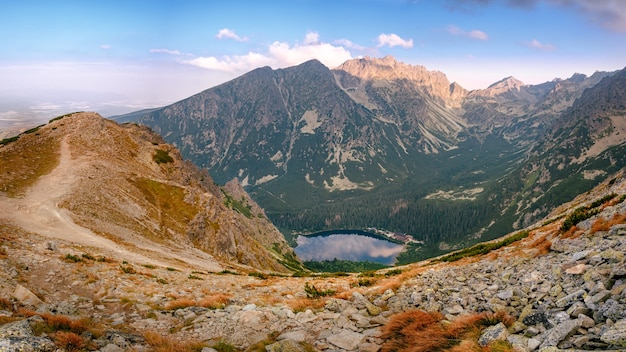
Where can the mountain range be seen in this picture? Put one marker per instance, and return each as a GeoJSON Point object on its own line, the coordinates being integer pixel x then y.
{"type": "Point", "coordinates": [380, 143]}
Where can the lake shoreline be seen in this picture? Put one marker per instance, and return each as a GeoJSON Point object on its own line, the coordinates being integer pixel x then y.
{"type": "Point", "coordinates": [353, 232]}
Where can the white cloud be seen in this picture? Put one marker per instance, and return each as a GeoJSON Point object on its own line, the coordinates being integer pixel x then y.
{"type": "Point", "coordinates": [105, 46]}
{"type": "Point", "coordinates": [392, 40]}
{"type": "Point", "coordinates": [226, 33]}
{"type": "Point", "coordinates": [473, 34]}
{"type": "Point", "coordinates": [311, 38]}
{"type": "Point", "coordinates": [535, 44]}
{"type": "Point", "coordinates": [349, 44]}
{"type": "Point", "coordinates": [279, 54]}
{"type": "Point", "coordinates": [166, 51]}
{"type": "Point", "coordinates": [232, 64]}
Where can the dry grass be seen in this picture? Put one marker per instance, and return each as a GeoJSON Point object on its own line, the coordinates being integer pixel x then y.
{"type": "Point", "coordinates": [23, 163]}
{"type": "Point", "coordinates": [180, 303]}
{"type": "Point", "coordinates": [302, 304]}
{"type": "Point", "coordinates": [160, 343]}
{"type": "Point", "coordinates": [214, 301]}
{"type": "Point", "coordinates": [420, 331]}
{"type": "Point", "coordinates": [601, 224]}
{"type": "Point", "coordinates": [541, 244]}
{"type": "Point", "coordinates": [573, 232]}
{"type": "Point", "coordinates": [69, 341]}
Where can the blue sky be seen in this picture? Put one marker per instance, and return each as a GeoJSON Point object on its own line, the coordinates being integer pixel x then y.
{"type": "Point", "coordinates": [156, 52]}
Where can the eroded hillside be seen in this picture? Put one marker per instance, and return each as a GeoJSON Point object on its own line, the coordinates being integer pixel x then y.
{"type": "Point", "coordinates": [91, 181]}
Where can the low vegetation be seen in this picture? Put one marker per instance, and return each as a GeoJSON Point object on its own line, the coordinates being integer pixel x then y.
{"type": "Point", "coordinates": [23, 165]}
{"type": "Point", "coordinates": [420, 331]}
{"type": "Point", "coordinates": [337, 265]}
{"type": "Point", "coordinates": [585, 212]}
{"type": "Point", "coordinates": [162, 157]}
{"type": "Point", "coordinates": [240, 206]}
{"type": "Point", "coordinates": [483, 248]}
{"type": "Point", "coordinates": [313, 292]}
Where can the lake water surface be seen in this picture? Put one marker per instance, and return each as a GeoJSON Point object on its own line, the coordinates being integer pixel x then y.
{"type": "Point", "coordinates": [354, 247]}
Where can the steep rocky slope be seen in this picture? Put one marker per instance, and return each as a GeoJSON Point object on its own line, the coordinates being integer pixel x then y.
{"type": "Point", "coordinates": [89, 180]}
{"type": "Point", "coordinates": [558, 289]}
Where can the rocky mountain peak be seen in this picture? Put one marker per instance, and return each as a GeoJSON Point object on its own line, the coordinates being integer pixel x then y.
{"type": "Point", "coordinates": [389, 69]}
{"type": "Point", "coordinates": [507, 84]}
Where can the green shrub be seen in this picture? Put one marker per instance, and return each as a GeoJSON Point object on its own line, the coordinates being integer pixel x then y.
{"type": "Point", "coordinates": [483, 248]}
{"type": "Point", "coordinates": [127, 269]}
{"type": "Point", "coordinates": [88, 256]}
{"type": "Point", "coordinates": [584, 213]}
{"type": "Point", "coordinates": [258, 275]}
{"type": "Point", "coordinates": [73, 258]}
{"type": "Point", "coordinates": [162, 157]}
{"type": "Point", "coordinates": [313, 292]}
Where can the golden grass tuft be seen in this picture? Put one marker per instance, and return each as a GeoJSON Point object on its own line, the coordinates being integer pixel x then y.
{"type": "Point", "coordinates": [160, 343]}
{"type": "Point", "coordinates": [420, 331]}
{"type": "Point", "coordinates": [573, 232]}
{"type": "Point", "coordinates": [180, 303]}
{"type": "Point", "coordinates": [69, 341]}
{"type": "Point", "coordinates": [302, 304]}
{"type": "Point", "coordinates": [214, 301]}
{"type": "Point", "coordinates": [542, 244]}
{"type": "Point", "coordinates": [601, 224]}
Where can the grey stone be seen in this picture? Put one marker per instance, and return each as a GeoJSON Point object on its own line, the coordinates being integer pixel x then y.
{"type": "Point", "coordinates": [616, 334]}
{"type": "Point", "coordinates": [611, 309]}
{"type": "Point", "coordinates": [26, 297]}
{"type": "Point", "coordinates": [111, 348]}
{"type": "Point", "coordinates": [570, 299]}
{"type": "Point", "coordinates": [298, 336]}
{"type": "Point", "coordinates": [285, 346]}
{"type": "Point", "coordinates": [496, 332]}
{"type": "Point", "coordinates": [559, 333]}
{"type": "Point", "coordinates": [346, 339]}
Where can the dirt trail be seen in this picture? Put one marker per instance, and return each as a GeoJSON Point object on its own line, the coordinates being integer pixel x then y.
{"type": "Point", "coordinates": [38, 212]}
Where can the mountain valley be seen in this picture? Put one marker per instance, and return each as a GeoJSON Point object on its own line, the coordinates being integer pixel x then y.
{"type": "Point", "coordinates": [112, 240]}
{"type": "Point", "coordinates": [67, 285]}
{"type": "Point", "coordinates": [373, 142]}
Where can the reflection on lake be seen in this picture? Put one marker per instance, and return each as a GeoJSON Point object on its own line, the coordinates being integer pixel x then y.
{"type": "Point", "coordinates": [347, 247]}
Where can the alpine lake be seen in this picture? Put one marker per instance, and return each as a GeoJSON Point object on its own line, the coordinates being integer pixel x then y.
{"type": "Point", "coordinates": [349, 245]}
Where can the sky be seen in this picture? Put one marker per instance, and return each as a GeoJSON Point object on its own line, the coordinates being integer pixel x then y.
{"type": "Point", "coordinates": [141, 53]}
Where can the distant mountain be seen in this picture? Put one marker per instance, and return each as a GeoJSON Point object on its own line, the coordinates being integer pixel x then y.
{"type": "Point", "coordinates": [374, 142]}
{"type": "Point", "coordinates": [586, 143]}
{"type": "Point", "coordinates": [91, 181]}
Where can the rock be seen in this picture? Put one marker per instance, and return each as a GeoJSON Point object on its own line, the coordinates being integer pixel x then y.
{"type": "Point", "coordinates": [251, 319]}
{"type": "Point", "coordinates": [493, 333]}
{"type": "Point", "coordinates": [26, 297]}
{"type": "Point", "coordinates": [248, 307]}
{"type": "Point", "coordinates": [519, 343]}
{"type": "Point", "coordinates": [298, 336]}
{"type": "Point", "coordinates": [586, 322]}
{"type": "Point", "coordinates": [536, 318]}
{"type": "Point", "coordinates": [18, 336]}
{"type": "Point", "coordinates": [560, 332]}
{"type": "Point", "coordinates": [346, 339]}
{"type": "Point", "coordinates": [578, 269]}
{"type": "Point", "coordinates": [616, 334]}
{"type": "Point", "coordinates": [611, 309]}
{"type": "Point", "coordinates": [285, 346]}
{"type": "Point", "coordinates": [112, 348]}
{"type": "Point", "coordinates": [570, 299]}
